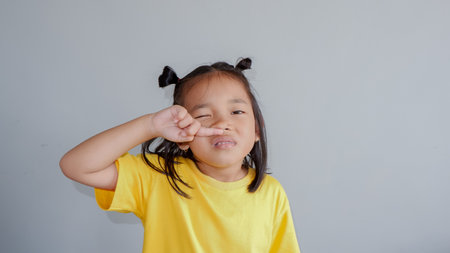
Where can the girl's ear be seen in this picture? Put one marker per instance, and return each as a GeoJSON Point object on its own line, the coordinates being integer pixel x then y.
{"type": "Point", "coordinates": [183, 146]}
{"type": "Point", "coordinates": [257, 136]}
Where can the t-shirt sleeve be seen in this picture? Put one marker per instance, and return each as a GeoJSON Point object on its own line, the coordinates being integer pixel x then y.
{"type": "Point", "coordinates": [284, 237]}
{"type": "Point", "coordinates": [134, 177]}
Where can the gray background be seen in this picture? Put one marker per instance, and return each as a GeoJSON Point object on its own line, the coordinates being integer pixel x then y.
{"type": "Point", "coordinates": [355, 94]}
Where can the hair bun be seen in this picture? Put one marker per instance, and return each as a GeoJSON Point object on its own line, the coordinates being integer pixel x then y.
{"type": "Point", "coordinates": [167, 77]}
{"type": "Point", "coordinates": [244, 64]}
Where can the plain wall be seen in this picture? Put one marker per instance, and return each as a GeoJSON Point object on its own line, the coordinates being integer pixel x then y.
{"type": "Point", "coordinates": [355, 94]}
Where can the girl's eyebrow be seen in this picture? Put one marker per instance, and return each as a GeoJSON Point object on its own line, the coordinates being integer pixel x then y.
{"type": "Point", "coordinates": [237, 101]}
{"type": "Point", "coordinates": [206, 105]}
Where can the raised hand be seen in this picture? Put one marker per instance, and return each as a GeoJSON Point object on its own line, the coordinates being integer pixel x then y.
{"type": "Point", "coordinates": [177, 125]}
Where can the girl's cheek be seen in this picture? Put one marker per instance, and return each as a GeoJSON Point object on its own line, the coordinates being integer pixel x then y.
{"type": "Point", "coordinates": [205, 123]}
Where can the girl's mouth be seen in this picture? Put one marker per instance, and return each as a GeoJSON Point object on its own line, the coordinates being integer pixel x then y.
{"type": "Point", "coordinates": [223, 142]}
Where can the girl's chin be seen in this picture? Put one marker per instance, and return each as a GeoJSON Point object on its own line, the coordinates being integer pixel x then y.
{"type": "Point", "coordinates": [221, 163]}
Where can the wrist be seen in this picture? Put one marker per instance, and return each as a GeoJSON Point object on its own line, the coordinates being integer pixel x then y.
{"type": "Point", "coordinates": [149, 126]}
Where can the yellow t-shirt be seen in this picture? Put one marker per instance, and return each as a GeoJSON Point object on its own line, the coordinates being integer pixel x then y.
{"type": "Point", "coordinates": [220, 216]}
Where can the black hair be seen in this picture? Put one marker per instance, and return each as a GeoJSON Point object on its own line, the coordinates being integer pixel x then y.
{"type": "Point", "coordinates": [169, 151]}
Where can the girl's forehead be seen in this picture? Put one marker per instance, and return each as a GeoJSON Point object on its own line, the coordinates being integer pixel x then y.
{"type": "Point", "coordinates": [214, 88]}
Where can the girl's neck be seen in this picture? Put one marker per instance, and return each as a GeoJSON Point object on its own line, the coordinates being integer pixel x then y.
{"type": "Point", "coordinates": [229, 174]}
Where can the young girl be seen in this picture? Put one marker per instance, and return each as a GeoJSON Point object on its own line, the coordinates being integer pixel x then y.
{"type": "Point", "coordinates": [204, 187]}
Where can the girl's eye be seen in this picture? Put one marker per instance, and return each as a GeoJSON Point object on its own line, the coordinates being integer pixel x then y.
{"type": "Point", "coordinates": [238, 112]}
{"type": "Point", "coordinates": [202, 116]}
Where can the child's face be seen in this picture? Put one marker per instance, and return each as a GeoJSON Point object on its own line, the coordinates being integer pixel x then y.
{"type": "Point", "coordinates": [222, 102]}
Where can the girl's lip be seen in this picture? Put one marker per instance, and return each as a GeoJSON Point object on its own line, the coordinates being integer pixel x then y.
{"type": "Point", "coordinates": [224, 141]}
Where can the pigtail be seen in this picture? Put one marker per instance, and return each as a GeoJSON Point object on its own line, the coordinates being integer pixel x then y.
{"type": "Point", "coordinates": [168, 77]}
{"type": "Point", "coordinates": [244, 64]}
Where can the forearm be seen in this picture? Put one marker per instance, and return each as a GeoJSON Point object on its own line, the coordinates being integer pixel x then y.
{"type": "Point", "coordinates": [101, 150]}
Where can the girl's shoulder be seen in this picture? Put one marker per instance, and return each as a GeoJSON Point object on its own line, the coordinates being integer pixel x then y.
{"type": "Point", "coordinates": [272, 181]}
{"type": "Point", "coordinates": [140, 162]}
{"type": "Point", "coordinates": [138, 159]}
{"type": "Point", "coordinates": [271, 185]}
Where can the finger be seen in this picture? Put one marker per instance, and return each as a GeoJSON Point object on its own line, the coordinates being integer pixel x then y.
{"type": "Point", "coordinates": [193, 128]}
{"type": "Point", "coordinates": [183, 146]}
{"type": "Point", "coordinates": [183, 138]}
{"type": "Point", "coordinates": [206, 131]}
{"type": "Point", "coordinates": [186, 121]}
{"type": "Point", "coordinates": [178, 113]}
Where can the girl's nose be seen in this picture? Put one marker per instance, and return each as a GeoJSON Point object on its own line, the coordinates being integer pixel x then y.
{"type": "Point", "coordinates": [222, 123]}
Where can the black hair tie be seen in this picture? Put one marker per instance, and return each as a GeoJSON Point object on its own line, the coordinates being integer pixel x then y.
{"type": "Point", "coordinates": [244, 64]}
{"type": "Point", "coordinates": [168, 77]}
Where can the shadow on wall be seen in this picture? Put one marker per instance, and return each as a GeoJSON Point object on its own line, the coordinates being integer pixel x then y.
{"type": "Point", "coordinates": [114, 217]}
